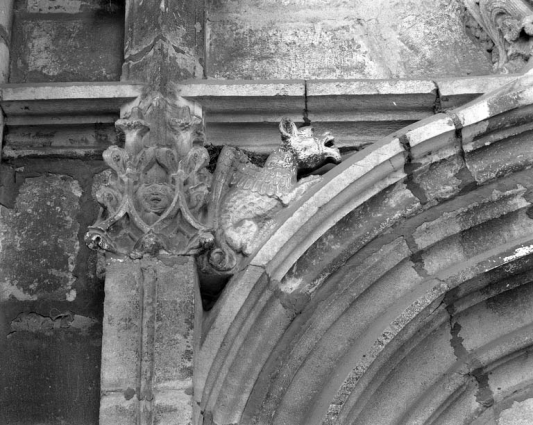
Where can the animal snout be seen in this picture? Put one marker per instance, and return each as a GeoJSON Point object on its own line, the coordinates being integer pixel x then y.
{"type": "Point", "coordinates": [328, 140]}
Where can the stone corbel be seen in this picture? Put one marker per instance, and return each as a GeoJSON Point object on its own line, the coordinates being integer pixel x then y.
{"type": "Point", "coordinates": [509, 24]}
{"type": "Point", "coordinates": [156, 199]}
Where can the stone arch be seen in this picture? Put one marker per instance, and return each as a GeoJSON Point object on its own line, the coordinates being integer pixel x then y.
{"type": "Point", "coordinates": [397, 291]}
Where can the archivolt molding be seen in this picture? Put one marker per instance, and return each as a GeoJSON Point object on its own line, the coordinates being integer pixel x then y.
{"type": "Point", "coordinates": [395, 291]}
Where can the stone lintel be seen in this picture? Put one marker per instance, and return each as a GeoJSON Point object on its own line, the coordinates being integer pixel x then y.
{"type": "Point", "coordinates": [243, 113]}
{"type": "Point", "coordinates": [455, 92]}
{"type": "Point", "coordinates": [44, 119]}
{"type": "Point", "coordinates": [66, 98]}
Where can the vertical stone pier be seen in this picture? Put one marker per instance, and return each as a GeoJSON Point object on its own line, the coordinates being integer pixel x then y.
{"type": "Point", "coordinates": [151, 225]}
{"type": "Point", "coordinates": [6, 19]}
{"type": "Point", "coordinates": [148, 339]}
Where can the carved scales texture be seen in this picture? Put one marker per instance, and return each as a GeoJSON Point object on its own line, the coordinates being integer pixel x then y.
{"type": "Point", "coordinates": [156, 199]}
{"type": "Point", "coordinates": [509, 24]}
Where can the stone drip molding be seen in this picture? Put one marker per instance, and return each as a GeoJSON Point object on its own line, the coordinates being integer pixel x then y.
{"type": "Point", "coordinates": [509, 24]}
{"type": "Point", "coordinates": [403, 260]}
{"type": "Point", "coordinates": [242, 114]}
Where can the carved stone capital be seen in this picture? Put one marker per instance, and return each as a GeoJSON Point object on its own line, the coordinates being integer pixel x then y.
{"type": "Point", "coordinates": [156, 199]}
{"type": "Point", "coordinates": [509, 25]}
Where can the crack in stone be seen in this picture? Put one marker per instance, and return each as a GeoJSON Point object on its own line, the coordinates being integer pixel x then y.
{"type": "Point", "coordinates": [484, 395]}
{"type": "Point", "coordinates": [409, 168]}
{"type": "Point", "coordinates": [4, 36]}
{"type": "Point", "coordinates": [464, 175]}
{"type": "Point", "coordinates": [307, 121]}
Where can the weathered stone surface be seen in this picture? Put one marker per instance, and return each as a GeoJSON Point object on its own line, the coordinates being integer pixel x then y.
{"type": "Point", "coordinates": [67, 6]}
{"type": "Point", "coordinates": [43, 221]}
{"type": "Point", "coordinates": [521, 413]}
{"type": "Point", "coordinates": [66, 41]}
{"type": "Point", "coordinates": [177, 300]}
{"type": "Point", "coordinates": [439, 330]}
{"type": "Point", "coordinates": [503, 28]}
{"type": "Point", "coordinates": [121, 327]}
{"type": "Point", "coordinates": [51, 303]}
{"type": "Point", "coordinates": [50, 371]}
{"type": "Point", "coordinates": [148, 339]}
{"type": "Point", "coordinates": [455, 92]}
{"type": "Point", "coordinates": [164, 42]}
{"type": "Point", "coordinates": [6, 15]}
{"type": "Point", "coordinates": [118, 408]}
{"type": "Point", "coordinates": [261, 39]}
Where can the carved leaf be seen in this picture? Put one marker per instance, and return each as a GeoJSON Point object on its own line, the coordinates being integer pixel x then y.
{"type": "Point", "coordinates": [109, 198]}
{"type": "Point", "coordinates": [168, 158]}
{"type": "Point", "coordinates": [117, 159]}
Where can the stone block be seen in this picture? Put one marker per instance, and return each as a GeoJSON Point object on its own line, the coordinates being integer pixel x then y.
{"type": "Point", "coordinates": [265, 39]}
{"type": "Point", "coordinates": [499, 159]}
{"type": "Point", "coordinates": [173, 407]}
{"type": "Point", "coordinates": [176, 286]}
{"type": "Point", "coordinates": [455, 92]}
{"type": "Point", "coordinates": [50, 370]}
{"type": "Point", "coordinates": [520, 413]}
{"type": "Point", "coordinates": [121, 327]}
{"type": "Point", "coordinates": [116, 409]}
{"type": "Point", "coordinates": [42, 225]}
{"type": "Point", "coordinates": [66, 41]}
{"type": "Point", "coordinates": [4, 58]}
{"type": "Point", "coordinates": [148, 339]}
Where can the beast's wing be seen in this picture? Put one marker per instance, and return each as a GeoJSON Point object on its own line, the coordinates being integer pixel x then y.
{"type": "Point", "coordinates": [233, 167]}
{"type": "Point", "coordinates": [270, 181]}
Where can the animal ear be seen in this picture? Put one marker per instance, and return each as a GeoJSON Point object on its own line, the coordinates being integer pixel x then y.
{"type": "Point", "coordinates": [287, 128]}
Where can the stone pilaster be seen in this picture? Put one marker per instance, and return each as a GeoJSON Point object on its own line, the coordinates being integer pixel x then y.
{"type": "Point", "coordinates": [6, 18]}
{"type": "Point", "coordinates": [163, 42]}
{"type": "Point", "coordinates": [147, 351]}
{"type": "Point", "coordinates": [152, 223]}
{"type": "Point", "coordinates": [150, 227]}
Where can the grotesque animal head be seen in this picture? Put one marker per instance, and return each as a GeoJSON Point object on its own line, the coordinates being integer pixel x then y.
{"type": "Point", "coordinates": [310, 152]}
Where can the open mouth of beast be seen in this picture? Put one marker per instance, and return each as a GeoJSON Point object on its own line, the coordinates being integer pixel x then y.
{"type": "Point", "coordinates": [331, 151]}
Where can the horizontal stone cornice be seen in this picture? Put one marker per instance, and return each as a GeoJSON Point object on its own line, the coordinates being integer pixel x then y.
{"type": "Point", "coordinates": [237, 113]}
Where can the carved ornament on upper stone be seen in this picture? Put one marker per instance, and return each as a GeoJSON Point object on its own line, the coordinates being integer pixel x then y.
{"type": "Point", "coordinates": [509, 24]}
{"type": "Point", "coordinates": [246, 198]}
{"type": "Point", "coordinates": [156, 199]}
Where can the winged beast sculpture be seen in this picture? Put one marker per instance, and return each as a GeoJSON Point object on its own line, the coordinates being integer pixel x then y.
{"type": "Point", "coordinates": [245, 198]}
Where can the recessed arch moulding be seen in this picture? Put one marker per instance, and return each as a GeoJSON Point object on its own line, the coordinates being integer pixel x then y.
{"type": "Point", "coordinates": [395, 291]}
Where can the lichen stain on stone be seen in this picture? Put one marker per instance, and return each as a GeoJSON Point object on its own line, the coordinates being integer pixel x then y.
{"type": "Point", "coordinates": [519, 252]}
{"type": "Point", "coordinates": [520, 413]}
{"type": "Point", "coordinates": [36, 323]}
{"type": "Point", "coordinates": [54, 6]}
{"type": "Point", "coordinates": [40, 240]}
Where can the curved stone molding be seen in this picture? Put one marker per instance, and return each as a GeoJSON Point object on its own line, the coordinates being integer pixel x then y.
{"type": "Point", "coordinates": [397, 290]}
{"type": "Point", "coordinates": [509, 24]}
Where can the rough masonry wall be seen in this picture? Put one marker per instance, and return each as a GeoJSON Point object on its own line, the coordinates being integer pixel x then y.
{"type": "Point", "coordinates": [50, 293]}
{"type": "Point", "coordinates": [67, 40]}
{"type": "Point", "coordinates": [267, 39]}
